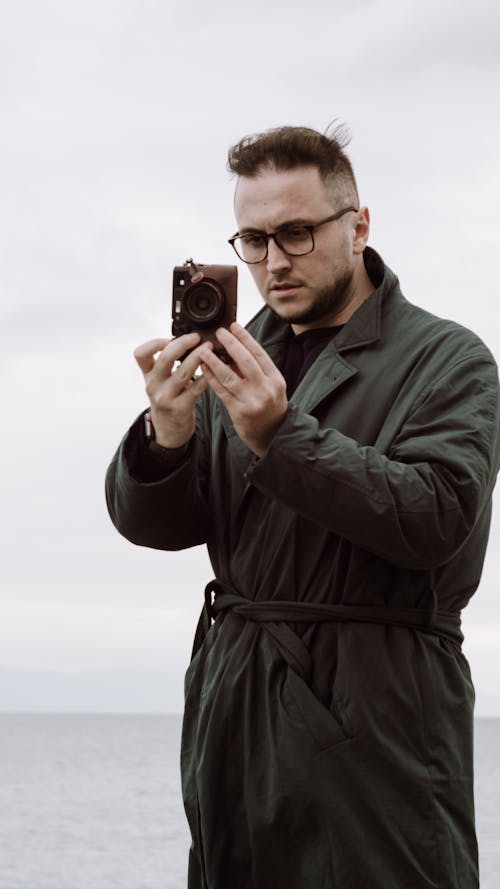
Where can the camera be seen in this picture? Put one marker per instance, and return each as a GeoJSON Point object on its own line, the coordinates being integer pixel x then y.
{"type": "Point", "coordinates": [204, 298]}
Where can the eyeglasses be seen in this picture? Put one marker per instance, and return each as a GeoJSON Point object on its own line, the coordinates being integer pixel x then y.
{"type": "Point", "coordinates": [294, 240]}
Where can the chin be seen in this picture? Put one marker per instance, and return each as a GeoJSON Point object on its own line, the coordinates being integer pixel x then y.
{"type": "Point", "coordinates": [290, 313]}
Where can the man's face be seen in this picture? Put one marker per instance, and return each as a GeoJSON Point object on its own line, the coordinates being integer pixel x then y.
{"type": "Point", "coordinates": [314, 290]}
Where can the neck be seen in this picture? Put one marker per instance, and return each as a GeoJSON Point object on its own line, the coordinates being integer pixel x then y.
{"type": "Point", "coordinates": [361, 288]}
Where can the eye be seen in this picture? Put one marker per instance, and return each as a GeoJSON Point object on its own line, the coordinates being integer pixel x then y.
{"type": "Point", "coordinates": [253, 240]}
{"type": "Point", "coordinates": [295, 233]}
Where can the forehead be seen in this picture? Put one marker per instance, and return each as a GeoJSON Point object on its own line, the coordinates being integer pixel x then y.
{"type": "Point", "coordinates": [273, 197]}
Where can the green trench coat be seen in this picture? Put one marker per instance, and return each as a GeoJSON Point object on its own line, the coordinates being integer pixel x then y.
{"type": "Point", "coordinates": [335, 753]}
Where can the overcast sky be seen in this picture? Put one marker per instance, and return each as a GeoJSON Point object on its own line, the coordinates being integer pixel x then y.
{"type": "Point", "coordinates": [116, 120]}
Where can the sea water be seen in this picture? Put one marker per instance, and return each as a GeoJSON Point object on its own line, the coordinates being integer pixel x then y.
{"type": "Point", "coordinates": [94, 802]}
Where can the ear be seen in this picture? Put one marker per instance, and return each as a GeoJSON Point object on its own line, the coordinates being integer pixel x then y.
{"type": "Point", "coordinates": [361, 230]}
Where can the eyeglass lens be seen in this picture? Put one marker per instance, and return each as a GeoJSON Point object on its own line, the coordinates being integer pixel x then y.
{"type": "Point", "coordinates": [295, 241]}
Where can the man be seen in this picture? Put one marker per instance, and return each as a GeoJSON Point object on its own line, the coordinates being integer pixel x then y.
{"type": "Point", "coordinates": [340, 473]}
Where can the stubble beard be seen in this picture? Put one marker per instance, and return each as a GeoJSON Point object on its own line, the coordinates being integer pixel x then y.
{"type": "Point", "coordinates": [328, 302]}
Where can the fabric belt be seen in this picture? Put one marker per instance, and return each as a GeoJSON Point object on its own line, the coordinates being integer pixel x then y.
{"type": "Point", "coordinates": [220, 598]}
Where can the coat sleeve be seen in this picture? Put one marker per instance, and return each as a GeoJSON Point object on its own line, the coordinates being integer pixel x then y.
{"type": "Point", "coordinates": [414, 506]}
{"type": "Point", "coordinates": [168, 514]}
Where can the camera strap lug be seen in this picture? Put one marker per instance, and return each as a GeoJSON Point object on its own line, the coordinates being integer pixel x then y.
{"type": "Point", "coordinates": [194, 272]}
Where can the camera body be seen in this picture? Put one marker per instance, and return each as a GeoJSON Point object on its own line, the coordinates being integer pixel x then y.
{"type": "Point", "coordinates": [204, 298]}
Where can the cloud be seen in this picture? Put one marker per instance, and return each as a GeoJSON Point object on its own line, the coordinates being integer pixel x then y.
{"type": "Point", "coordinates": [116, 122]}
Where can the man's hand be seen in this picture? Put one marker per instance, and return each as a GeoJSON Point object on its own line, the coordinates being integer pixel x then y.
{"type": "Point", "coordinates": [253, 390]}
{"type": "Point", "coordinates": [172, 394]}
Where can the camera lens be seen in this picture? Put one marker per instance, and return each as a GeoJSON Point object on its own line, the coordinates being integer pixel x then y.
{"type": "Point", "coordinates": [203, 302]}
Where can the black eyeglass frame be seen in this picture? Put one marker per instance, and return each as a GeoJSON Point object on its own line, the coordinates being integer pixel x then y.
{"type": "Point", "coordinates": [274, 235]}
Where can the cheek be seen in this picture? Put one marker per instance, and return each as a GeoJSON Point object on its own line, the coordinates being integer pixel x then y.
{"type": "Point", "coordinates": [319, 272]}
{"type": "Point", "coordinates": [258, 274]}
{"type": "Point", "coordinates": [334, 262]}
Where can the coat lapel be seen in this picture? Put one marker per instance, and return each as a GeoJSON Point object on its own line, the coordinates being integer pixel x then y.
{"type": "Point", "coordinates": [328, 372]}
{"type": "Point", "coordinates": [331, 369]}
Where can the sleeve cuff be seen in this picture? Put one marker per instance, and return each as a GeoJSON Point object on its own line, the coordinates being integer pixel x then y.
{"type": "Point", "coordinates": [147, 460]}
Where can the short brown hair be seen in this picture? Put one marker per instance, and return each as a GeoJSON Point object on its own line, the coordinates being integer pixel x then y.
{"type": "Point", "coordinates": [287, 147]}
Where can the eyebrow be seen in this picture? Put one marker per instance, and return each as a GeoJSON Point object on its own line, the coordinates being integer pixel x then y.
{"type": "Point", "coordinates": [297, 221]}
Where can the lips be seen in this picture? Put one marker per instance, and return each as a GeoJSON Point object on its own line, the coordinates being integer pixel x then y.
{"type": "Point", "coordinates": [284, 288]}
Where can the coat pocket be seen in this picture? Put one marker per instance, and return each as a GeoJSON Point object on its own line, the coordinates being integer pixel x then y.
{"type": "Point", "coordinates": [324, 728]}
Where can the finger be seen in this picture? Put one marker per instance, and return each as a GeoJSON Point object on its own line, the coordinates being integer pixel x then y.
{"type": "Point", "coordinates": [223, 372]}
{"type": "Point", "coordinates": [185, 372]}
{"type": "Point", "coordinates": [239, 353]}
{"type": "Point", "coordinates": [196, 387]}
{"type": "Point", "coordinates": [216, 386]}
{"type": "Point", "coordinates": [144, 354]}
{"type": "Point", "coordinates": [171, 350]}
{"type": "Point", "coordinates": [174, 351]}
{"type": "Point", "coordinates": [260, 355]}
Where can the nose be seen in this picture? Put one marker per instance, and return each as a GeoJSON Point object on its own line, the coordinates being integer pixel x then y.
{"type": "Point", "coordinates": [277, 260]}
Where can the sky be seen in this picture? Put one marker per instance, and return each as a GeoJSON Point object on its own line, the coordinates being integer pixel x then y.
{"type": "Point", "coordinates": [116, 119]}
